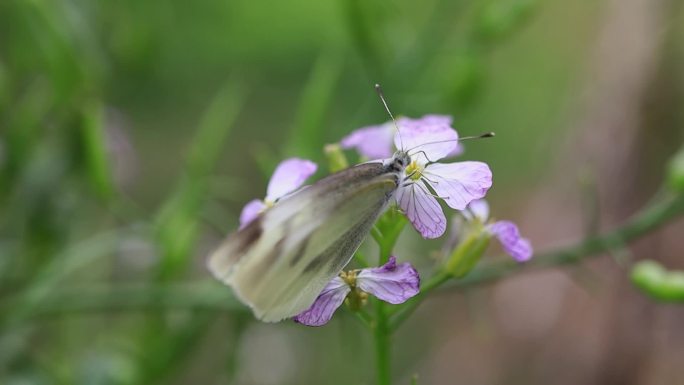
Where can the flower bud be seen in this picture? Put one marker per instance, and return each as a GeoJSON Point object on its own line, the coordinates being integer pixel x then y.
{"type": "Point", "coordinates": [646, 274]}
{"type": "Point", "coordinates": [466, 255]}
{"type": "Point", "coordinates": [337, 161]}
{"type": "Point", "coordinates": [675, 177]}
{"type": "Point", "coordinates": [673, 287]}
{"type": "Point", "coordinates": [654, 280]}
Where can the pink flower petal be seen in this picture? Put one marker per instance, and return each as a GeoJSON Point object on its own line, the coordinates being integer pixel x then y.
{"type": "Point", "coordinates": [431, 138]}
{"type": "Point", "coordinates": [422, 209]}
{"type": "Point", "coordinates": [289, 176]}
{"type": "Point", "coordinates": [251, 211]}
{"type": "Point", "coordinates": [390, 282]}
{"type": "Point", "coordinates": [323, 308]}
{"type": "Point", "coordinates": [459, 183]}
{"type": "Point", "coordinates": [436, 119]}
{"type": "Point", "coordinates": [509, 236]}
{"type": "Point", "coordinates": [373, 142]}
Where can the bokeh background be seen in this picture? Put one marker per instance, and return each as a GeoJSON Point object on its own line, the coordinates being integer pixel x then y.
{"type": "Point", "coordinates": [132, 132]}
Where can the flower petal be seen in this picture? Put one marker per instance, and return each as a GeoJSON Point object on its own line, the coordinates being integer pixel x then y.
{"type": "Point", "coordinates": [431, 138]}
{"type": "Point", "coordinates": [289, 176]}
{"type": "Point", "coordinates": [459, 183]}
{"type": "Point", "coordinates": [390, 282]}
{"type": "Point", "coordinates": [321, 311]}
{"type": "Point", "coordinates": [437, 119]}
{"type": "Point", "coordinates": [373, 142]}
{"type": "Point", "coordinates": [251, 211]}
{"type": "Point", "coordinates": [422, 209]}
{"type": "Point", "coordinates": [509, 236]}
{"type": "Point", "coordinates": [477, 209]}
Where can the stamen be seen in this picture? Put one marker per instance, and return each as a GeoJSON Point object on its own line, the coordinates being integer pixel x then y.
{"type": "Point", "coordinates": [349, 277]}
{"type": "Point", "coordinates": [410, 176]}
{"type": "Point", "coordinates": [425, 190]}
{"type": "Point", "coordinates": [423, 175]}
{"type": "Point", "coordinates": [414, 170]}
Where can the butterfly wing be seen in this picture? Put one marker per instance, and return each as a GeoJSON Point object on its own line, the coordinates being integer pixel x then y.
{"type": "Point", "coordinates": [279, 263]}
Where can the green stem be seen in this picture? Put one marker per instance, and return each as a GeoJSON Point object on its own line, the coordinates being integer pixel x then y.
{"type": "Point", "coordinates": [382, 344]}
{"type": "Point", "coordinates": [385, 252]}
{"type": "Point", "coordinates": [365, 319]}
{"type": "Point", "coordinates": [361, 259]}
{"type": "Point", "coordinates": [122, 297]}
{"type": "Point", "coordinates": [388, 233]}
{"type": "Point", "coordinates": [402, 313]}
{"type": "Point", "coordinates": [639, 225]}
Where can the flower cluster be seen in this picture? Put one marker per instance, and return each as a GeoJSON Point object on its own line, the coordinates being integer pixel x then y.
{"type": "Point", "coordinates": [506, 232]}
{"type": "Point", "coordinates": [391, 282]}
{"type": "Point", "coordinates": [426, 140]}
{"type": "Point", "coordinates": [425, 180]}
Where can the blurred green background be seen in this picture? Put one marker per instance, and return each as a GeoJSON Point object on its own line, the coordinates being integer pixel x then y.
{"type": "Point", "coordinates": [132, 132]}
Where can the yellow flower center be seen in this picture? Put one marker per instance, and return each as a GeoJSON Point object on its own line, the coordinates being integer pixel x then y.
{"type": "Point", "coordinates": [349, 277]}
{"type": "Point", "coordinates": [414, 170]}
{"type": "Point", "coordinates": [356, 299]}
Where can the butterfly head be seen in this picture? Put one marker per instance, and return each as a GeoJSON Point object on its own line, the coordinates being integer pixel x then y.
{"type": "Point", "coordinates": [400, 160]}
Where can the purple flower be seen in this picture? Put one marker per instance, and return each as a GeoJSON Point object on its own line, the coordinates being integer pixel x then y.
{"type": "Point", "coordinates": [377, 142]}
{"type": "Point", "coordinates": [390, 282]}
{"type": "Point", "coordinates": [505, 231]}
{"type": "Point", "coordinates": [287, 177]}
{"type": "Point", "coordinates": [428, 140]}
{"type": "Point", "coordinates": [373, 142]}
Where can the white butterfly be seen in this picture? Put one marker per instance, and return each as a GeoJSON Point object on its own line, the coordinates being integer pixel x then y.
{"type": "Point", "coordinates": [280, 262]}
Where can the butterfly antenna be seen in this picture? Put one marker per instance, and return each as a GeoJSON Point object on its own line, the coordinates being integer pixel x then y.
{"type": "Point", "coordinates": [378, 89]}
{"type": "Point", "coordinates": [481, 136]}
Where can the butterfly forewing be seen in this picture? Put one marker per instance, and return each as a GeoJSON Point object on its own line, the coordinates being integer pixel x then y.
{"type": "Point", "coordinates": [280, 262]}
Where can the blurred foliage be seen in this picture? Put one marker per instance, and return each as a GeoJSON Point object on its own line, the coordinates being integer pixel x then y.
{"type": "Point", "coordinates": [131, 133]}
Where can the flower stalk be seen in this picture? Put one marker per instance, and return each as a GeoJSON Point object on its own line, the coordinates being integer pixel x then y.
{"type": "Point", "coordinates": [466, 255]}
{"type": "Point", "coordinates": [389, 228]}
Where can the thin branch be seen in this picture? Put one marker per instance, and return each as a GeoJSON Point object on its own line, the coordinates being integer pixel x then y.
{"type": "Point", "coordinates": [129, 298]}
{"type": "Point", "coordinates": [639, 225]}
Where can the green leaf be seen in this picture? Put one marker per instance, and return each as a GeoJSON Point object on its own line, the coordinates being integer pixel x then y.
{"type": "Point", "coordinates": [306, 135]}
{"type": "Point", "coordinates": [95, 155]}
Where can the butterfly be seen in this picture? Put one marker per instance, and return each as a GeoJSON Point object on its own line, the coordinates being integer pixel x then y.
{"type": "Point", "coordinates": [280, 262]}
